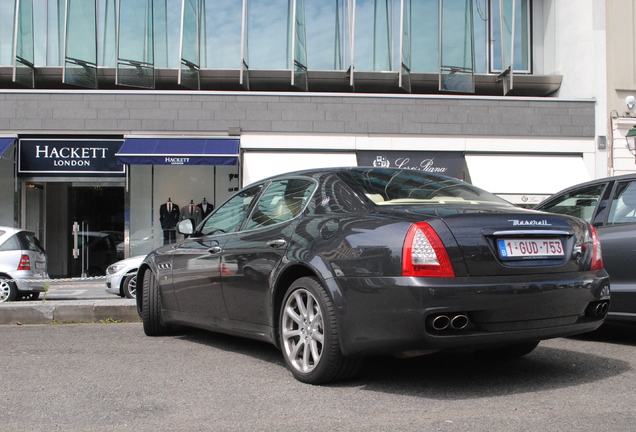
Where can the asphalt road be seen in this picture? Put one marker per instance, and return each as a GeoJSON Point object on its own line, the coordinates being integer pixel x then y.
{"type": "Point", "coordinates": [110, 377]}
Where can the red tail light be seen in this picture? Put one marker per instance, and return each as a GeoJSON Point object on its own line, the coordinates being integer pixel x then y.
{"type": "Point", "coordinates": [424, 253]}
{"type": "Point", "coordinates": [597, 255]}
{"type": "Point", "coordinates": [25, 263]}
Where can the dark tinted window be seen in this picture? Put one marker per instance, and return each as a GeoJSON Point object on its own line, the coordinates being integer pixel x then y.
{"type": "Point", "coordinates": [623, 206]}
{"type": "Point", "coordinates": [580, 203]}
{"type": "Point", "coordinates": [281, 201]}
{"type": "Point", "coordinates": [229, 216]}
{"type": "Point", "coordinates": [30, 242]}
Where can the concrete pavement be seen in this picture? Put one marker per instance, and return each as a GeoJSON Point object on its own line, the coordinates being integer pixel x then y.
{"type": "Point", "coordinates": [70, 302]}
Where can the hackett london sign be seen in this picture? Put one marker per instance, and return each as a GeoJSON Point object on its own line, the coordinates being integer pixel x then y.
{"type": "Point", "coordinates": [69, 157]}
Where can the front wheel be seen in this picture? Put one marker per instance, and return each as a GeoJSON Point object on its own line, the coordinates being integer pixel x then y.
{"type": "Point", "coordinates": [151, 307]}
{"type": "Point", "coordinates": [8, 290]}
{"type": "Point", "coordinates": [309, 335]}
{"type": "Point", "coordinates": [129, 286]}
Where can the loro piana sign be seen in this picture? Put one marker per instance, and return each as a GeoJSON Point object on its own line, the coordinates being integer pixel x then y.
{"type": "Point", "coordinates": [69, 157]}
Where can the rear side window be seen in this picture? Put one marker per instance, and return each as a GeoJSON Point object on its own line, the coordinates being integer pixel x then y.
{"type": "Point", "coordinates": [11, 244]}
{"type": "Point", "coordinates": [623, 207]}
{"type": "Point", "coordinates": [580, 203]}
{"type": "Point", "coordinates": [283, 200]}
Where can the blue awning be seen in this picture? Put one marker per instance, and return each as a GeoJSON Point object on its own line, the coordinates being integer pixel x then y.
{"type": "Point", "coordinates": [5, 143]}
{"type": "Point", "coordinates": [178, 151]}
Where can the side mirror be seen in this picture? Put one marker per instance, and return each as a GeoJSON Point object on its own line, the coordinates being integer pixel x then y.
{"type": "Point", "coordinates": [185, 227]}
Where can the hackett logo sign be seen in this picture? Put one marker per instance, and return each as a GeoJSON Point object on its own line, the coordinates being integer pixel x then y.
{"type": "Point", "coordinates": [177, 160]}
{"type": "Point", "coordinates": [69, 157]}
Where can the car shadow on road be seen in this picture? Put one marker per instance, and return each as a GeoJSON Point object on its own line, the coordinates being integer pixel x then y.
{"type": "Point", "coordinates": [612, 332]}
{"type": "Point", "coordinates": [448, 375]}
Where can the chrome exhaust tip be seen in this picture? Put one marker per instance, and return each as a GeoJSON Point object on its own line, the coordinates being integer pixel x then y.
{"type": "Point", "coordinates": [459, 322]}
{"type": "Point", "coordinates": [440, 322]}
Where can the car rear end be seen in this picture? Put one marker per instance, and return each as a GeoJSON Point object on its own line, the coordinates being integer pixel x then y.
{"type": "Point", "coordinates": [24, 261]}
{"type": "Point", "coordinates": [473, 279]}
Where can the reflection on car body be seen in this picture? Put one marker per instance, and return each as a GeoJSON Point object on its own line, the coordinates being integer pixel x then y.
{"type": "Point", "coordinates": [335, 265]}
{"type": "Point", "coordinates": [609, 204]}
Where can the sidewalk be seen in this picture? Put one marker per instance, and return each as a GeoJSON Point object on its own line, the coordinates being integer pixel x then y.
{"type": "Point", "coordinates": [70, 303]}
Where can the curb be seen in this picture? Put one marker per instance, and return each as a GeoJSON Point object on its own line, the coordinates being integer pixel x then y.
{"type": "Point", "coordinates": [38, 312]}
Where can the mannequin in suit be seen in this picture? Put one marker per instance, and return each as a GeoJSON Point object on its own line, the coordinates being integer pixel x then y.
{"type": "Point", "coordinates": [191, 211]}
{"type": "Point", "coordinates": [169, 216]}
{"type": "Point", "coordinates": [206, 208]}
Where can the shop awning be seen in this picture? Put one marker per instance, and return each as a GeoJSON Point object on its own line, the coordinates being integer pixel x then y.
{"type": "Point", "coordinates": [525, 179]}
{"type": "Point", "coordinates": [178, 151]}
{"type": "Point", "coordinates": [5, 143]}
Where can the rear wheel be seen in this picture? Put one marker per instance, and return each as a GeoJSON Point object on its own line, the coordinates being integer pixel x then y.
{"type": "Point", "coordinates": [309, 335]}
{"type": "Point", "coordinates": [8, 290]}
{"type": "Point", "coordinates": [151, 307]}
{"type": "Point", "coordinates": [129, 286]}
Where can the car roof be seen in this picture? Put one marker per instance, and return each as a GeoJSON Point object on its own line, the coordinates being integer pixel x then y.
{"type": "Point", "coordinates": [597, 181]}
{"type": "Point", "coordinates": [9, 231]}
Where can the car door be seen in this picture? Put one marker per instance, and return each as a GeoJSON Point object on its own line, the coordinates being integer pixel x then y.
{"type": "Point", "coordinates": [618, 243]}
{"type": "Point", "coordinates": [250, 256]}
{"type": "Point", "coordinates": [196, 263]}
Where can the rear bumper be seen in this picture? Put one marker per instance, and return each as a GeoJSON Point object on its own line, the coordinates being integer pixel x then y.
{"type": "Point", "coordinates": [29, 281]}
{"type": "Point", "coordinates": [392, 315]}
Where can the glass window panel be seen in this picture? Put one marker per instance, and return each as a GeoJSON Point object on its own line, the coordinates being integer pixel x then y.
{"type": "Point", "coordinates": [229, 217]}
{"type": "Point", "coordinates": [135, 66]}
{"type": "Point", "coordinates": [190, 45]}
{"type": "Point", "coordinates": [281, 201]}
{"type": "Point", "coordinates": [376, 34]}
{"type": "Point", "coordinates": [300, 47]}
{"type": "Point", "coordinates": [580, 203]}
{"type": "Point", "coordinates": [328, 35]}
{"type": "Point", "coordinates": [405, 66]}
{"type": "Point", "coordinates": [81, 44]}
{"type": "Point", "coordinates": [268, 32]}
{"type": "Point", "coordinates": [456, 57]}
{"type": "Point", "coordinates": [222, 34]}
{"type": "Point", "coordinates": [107, 32]}
{"type": "Point", "coordinates": [623, 207]}
{"type": "Point", "coordinates": [25, 54]}
{"type": "Point", "coordinates": [7, 19]}
{"type": "Point", "coordinates": [521, 35]}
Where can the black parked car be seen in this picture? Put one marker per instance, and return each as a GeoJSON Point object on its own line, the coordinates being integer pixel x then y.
{"type": "Point", "coordinates": [609, 204]}
{"type": "Point", "coordinates": [334, 265]}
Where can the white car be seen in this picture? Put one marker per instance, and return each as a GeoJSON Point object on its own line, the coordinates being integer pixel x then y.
{"type": "Point", "coordinates": [121, 277]}
{"type": "Point", "coordinates": [23, 272]}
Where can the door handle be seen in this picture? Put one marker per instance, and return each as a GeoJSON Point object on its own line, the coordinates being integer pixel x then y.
{"type": "Point", "coordinates": [276, 243]}
{"type": "Point", "coordinates": [214, 250]}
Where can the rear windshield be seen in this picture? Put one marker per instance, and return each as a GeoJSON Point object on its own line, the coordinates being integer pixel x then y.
{"type": "Point", "coordinates": [408, 187]}
{"type": "Point", "coordinates": [30, 242]}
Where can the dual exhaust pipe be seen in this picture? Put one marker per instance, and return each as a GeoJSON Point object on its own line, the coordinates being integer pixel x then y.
{"type": "Point", "coordinates": [454, 322]}
{"type": "Point", "coordinates": [598, 309]}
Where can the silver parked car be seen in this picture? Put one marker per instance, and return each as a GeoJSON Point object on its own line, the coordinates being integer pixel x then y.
{"type": "Point", "coordinates": [609, 204]}
{"type": "Point", "coordinates": [121, 277]}
{"type": "Point", "coordinates": [23, 273]}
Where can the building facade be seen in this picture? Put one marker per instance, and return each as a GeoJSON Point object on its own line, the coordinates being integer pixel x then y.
{"type": "Point", "coordinates": [110, 111]}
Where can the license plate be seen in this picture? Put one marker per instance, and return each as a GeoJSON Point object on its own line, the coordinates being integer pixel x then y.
{"type": "Point", "coordinates": [39, 265]}
{"type": "Point", "coordinates": [530, 248]}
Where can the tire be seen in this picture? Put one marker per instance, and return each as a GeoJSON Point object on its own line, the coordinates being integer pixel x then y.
{"type": "Point", "coordinates": [511, 351]}
{"type": "Point", "coordinates": [8, 290]}
{"type": "Point", "coordinates": [151, 307]}
{"type": "Point", "coordinates": [129, 286]}
{"type": "Point", "coordinates": [308, 334]}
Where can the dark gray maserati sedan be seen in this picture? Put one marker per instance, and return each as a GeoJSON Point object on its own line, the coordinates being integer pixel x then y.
{"type": "Point", "coordinates": [335, 265]}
